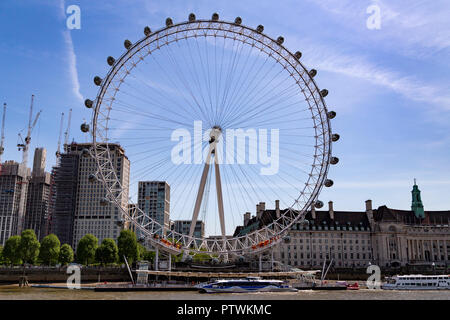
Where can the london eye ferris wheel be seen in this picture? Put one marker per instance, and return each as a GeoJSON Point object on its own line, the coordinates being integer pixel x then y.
{"type": "Point", "coordinates": [228, 117]}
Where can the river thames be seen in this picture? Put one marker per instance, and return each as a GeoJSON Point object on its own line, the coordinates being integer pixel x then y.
{"type": "Point", "coordinates": [16, 293]}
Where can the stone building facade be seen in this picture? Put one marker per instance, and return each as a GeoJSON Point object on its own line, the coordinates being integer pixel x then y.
{"type": "Point", "coordinates": [383, 236]}
{"type": "Point", "coordinates": [78, 207]}
{"type": "Point", "coordinates": [12, 178]}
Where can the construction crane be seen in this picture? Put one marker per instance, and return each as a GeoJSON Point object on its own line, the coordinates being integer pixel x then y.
{"type": "Point", "coordinates": [66, 134]}
{"type": "Point", "coordinates": [2, 141]}
{"type": "Point", "coordinates": [24, 146]}
{"type": "Point", "coordinates": [58, 150]}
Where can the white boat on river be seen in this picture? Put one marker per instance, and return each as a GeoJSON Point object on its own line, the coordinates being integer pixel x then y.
{"type": "Point", "coordinates": [249, 284]}
{"type": "Point", "coordinates": [418, 282]}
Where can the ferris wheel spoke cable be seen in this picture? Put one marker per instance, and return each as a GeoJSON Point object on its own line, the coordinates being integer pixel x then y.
{"type": "Point", "coordinates": [151, 99]}
{"type": "Point", "coordinates": [192, 71]}
{"type": "Point", "coordinates": [246, 89]}
{"type": "Point", "coordinates": [186, 170]}
{"type": "Point", "coordinates": [230, 76]}
{"type": "Point", "coordinates": [254, 93]}
{"type": "Point", "coordinates": [222, 92]}
{"type": "Point", "coordinates": [231, 80]}
{"type": "Point", "coordinates": [176, 193]}
{"type": "Point", "coordinates": [206, 77]}
{"type": "Point", "coordinates": [203, 76]}
{"type": "Point", "coordinates": [245, 96]}
{"type": "Point", "coordinates": [258, 103]}
{"type": "Point", "coordinates": [242, 191]}
{"type": "Point", "coordinates": [255, 112]}
{"type": "Point", "coordinates": [254, 199]}
{"type": "Point", "coordinates": [283, 118]}
{"type": "Point", "coordinates": [164, 72]}
{"type": "Point", "coordinates": [185, 83]}
{"type": "Point", "coordinates": [269, 183]}
{"type": "Point", "coordinates": [238, 85]}
{"type": "Point", "coordinates": [230, 202]}
{"type": "Point", "coordinates": [128, 108]}
{"type": "Point", "coordinates": [174, 85]}
{"type": "Point", "coordinates": [205, 104]}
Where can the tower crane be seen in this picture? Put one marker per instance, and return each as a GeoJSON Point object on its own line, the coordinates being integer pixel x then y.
{"type": "Point", "coordinates": [58, 150]}
{"type": "Point", "coordinates": [66, 133]}
{"type": "Point", "coordinates": [24, 146]}
{"type": "Point", "coordinates": [2, 141]}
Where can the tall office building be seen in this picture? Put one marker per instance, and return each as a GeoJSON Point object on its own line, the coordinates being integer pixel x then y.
{"type": "Point", "coordinates": [37, 204]}
{"type": "Point", "coordinates": [65, 194]}
{"type": "Point", "coordinates": [12, 176]}
{"type": "Point", "coordinates": [78, 209]}
{"type": "Point", "coordinates": [184, 226]}
{"type": "Point", "coordinates": [154, 200]}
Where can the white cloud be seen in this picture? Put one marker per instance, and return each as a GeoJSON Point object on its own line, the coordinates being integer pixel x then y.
{"type": "Point", "coordinates": [71, 58]}
{"type": "Point", "coordinates": [332, 59]}
{"type": "Point", "coordinates": [389, 184]}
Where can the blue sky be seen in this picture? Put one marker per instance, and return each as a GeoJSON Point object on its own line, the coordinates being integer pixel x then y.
{"type": "Point", "coordinates": [390, 87]}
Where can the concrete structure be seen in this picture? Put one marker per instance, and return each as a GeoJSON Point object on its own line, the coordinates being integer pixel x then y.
{"type": "Point", "coordinates": [183, 227]}
{"type": "Point", "coordinates": [78, 209]}
{"type": "Point", "coordinates": [37, 203]}
{"type": "Point", "coordinates": [12, 176]}
{"type": "Point", "coordinates": [383, 236]}
{"type": "Point", "coordinates": [65, 195]}
{"type": "Point", "coordinates": [154, 200]}
{"type": "Point", "coordinates": [103, 221]}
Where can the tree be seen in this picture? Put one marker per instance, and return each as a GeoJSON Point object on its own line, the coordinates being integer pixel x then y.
{"type": "Point", "coordinates": [149, 256]}
{"type": "Point", "coordinates": [86, 249]}
{"type": "Point", "coordinates": [128, 246]}
{"type": "Point", "coordinates": [29, 246]}
{"type": "Point", "coordinates": [49, 252]}
{"type": "Point", "coordinates": [1, 255]}
{"type": "Point", "coordinates": [11, 253]}
{"type": "Point", "coordinates": [65, 254]}
{"type": "Point", "coordinates": [141, 250]}
{"type": "Point", "coordinates": [107, 252]}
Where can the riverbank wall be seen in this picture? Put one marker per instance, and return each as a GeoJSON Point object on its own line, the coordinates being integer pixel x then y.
{"type": "Point", "coordinates": [12, 275]}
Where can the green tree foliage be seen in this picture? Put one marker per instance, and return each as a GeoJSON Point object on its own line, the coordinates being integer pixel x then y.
{"type": "Point", "coordinates": [142, 250]}
{"type": "Point", "coordinates": [65, 254]}
{"type": "Point", "coordinates": [86, 249]}
{"type": "Point", "coordinates": [1, 256]}
{"type": "Point", "coordinates": [107, 252]}
{"type": "Point", "coordinates": [29, 246]}
{"type": "Point", "coordinates": [49, 252]}
{"type": "Point", "coordinates": [201, 257]}
{"type": "Point", "coordinates": [11, 253]}
{"type": "Point", "coordinates": [148, 255]}
{"type": "Point", "coordinates": [128, 246]}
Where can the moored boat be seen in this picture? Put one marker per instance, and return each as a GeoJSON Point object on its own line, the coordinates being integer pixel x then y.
{"type": "Point", "coordinates": [418, 282]}
{"type": "Point", "coordinates": [354, 286]}
{"type": "Point", "coordinates": [249, 284]}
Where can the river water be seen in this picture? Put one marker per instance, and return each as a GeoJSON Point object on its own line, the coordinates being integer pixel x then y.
{"type": "Point", "coordinates": [16, 293]}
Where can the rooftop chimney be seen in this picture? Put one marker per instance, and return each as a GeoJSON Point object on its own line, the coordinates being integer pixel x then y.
{"type": "Point", "coordinates": [368, 205]}
{"type": "Point", "coordinates": [277, 208]}
{"type": "Point", "coordinates": [246, 218]}
{"type": "Point", "coordinates": [369, 213]}
{"type": "Point", "coordinates": [260, 209]}
{"type": "Point", "coordinates": [330, 210]}
{"type": "Point", "coordinates": [313, 212]}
